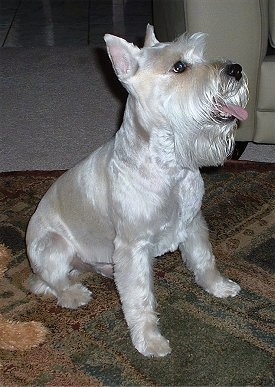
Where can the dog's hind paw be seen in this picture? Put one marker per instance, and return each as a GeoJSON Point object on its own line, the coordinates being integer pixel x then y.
{"type": "Point", "coordinates": [74, 296]}
{"type": "Point", "coordinates": [38, 286]}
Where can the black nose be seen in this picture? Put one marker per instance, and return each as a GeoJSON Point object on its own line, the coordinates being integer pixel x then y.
{"type": "Point", "coordinates": [234, 70]}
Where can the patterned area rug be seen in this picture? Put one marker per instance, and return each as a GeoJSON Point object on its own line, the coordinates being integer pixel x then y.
{"type": "Point", "coordinates": [214, 341]}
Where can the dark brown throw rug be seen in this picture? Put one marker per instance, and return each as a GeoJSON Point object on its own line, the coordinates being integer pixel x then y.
{"type": "Point", "coordinates": [214, 341]}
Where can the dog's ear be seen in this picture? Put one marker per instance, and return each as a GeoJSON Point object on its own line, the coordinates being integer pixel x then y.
{"type": "Point", "coordinates": [123, 56]}
{"type": "Point", "coordinates": [150, 37]}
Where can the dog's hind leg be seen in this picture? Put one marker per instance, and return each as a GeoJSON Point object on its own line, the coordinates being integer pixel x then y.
{"type": "Point", "coordinates": [197, 253]}
{"type": "Point", "coordinates": [51, 257]}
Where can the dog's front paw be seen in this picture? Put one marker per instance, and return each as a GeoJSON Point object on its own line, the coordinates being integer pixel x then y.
{"type": "Point", "coordinates": [223, 288]}
{"type": "Point", "coordinates": [74, 296]}
{"type": "Point", "coordinates": [153, 345]}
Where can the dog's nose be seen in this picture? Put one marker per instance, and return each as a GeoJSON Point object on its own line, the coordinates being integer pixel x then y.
{"type": "Point", "coordinates": [234, 70]}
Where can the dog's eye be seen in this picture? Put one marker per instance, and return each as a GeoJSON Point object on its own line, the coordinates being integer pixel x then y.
{"type": "Point", "coordinates": [179, 67]}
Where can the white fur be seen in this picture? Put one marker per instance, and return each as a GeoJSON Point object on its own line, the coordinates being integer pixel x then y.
{"type": "Point", "coordinates": [140, 195]}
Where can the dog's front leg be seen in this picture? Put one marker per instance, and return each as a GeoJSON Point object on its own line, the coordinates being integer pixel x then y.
{"type": "Point", "coordinates": [134, 280]}
{"type": "Point", "coordinates": [197, 253]}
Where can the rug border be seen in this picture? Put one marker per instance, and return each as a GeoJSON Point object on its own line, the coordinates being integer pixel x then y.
{"type": "Point", "coordinates": [40, 173]}
{"type": "Point", "coordinates": [229, 166]}
{"type": "Point", "coordinates": [245, 165]}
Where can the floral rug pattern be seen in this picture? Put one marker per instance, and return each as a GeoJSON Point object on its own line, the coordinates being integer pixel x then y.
{"type": "Point", "coordinates": [214, 341]}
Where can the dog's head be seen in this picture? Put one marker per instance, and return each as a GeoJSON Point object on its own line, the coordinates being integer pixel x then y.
{"type": "Point", "coordinates": [196, 101]}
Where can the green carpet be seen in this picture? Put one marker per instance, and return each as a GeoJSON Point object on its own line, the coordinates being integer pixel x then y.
{"type": "Point", "coordinates": [214, 341]}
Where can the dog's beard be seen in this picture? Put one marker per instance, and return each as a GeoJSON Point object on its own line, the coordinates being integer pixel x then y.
{"type": "Point", "coordinates": [200, 139]}
{"type": "Point", "coordinates": [203, 130]}
{"type": "Point", "coordinates": [210, 148]}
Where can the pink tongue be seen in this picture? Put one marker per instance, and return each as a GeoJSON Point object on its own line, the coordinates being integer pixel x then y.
{"type": "Point", "coordinates": [236, 111]}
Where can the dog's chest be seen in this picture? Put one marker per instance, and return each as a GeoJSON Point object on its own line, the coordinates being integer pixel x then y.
{"type": "Point", "coordinates": [178, 210]}
{"type": "Point", "coordinates": [159, 208]}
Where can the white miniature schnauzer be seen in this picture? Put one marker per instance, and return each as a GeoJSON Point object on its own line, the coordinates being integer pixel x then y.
{"type": "Point", "coordinates": [140, 195]}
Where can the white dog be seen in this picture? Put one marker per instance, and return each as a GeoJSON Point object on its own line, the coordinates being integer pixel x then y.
{"type": "Point", "coordinates": [140, 195]}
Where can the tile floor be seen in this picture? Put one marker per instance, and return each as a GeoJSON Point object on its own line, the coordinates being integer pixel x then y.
{"type": "Point", "coordinates": [40, 23]}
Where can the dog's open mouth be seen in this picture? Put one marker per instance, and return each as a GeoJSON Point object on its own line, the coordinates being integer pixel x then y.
{"type": "Point", "coordinates": [230, 112]}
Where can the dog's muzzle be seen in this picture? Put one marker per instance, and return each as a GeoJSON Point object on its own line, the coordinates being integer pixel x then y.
{"type": "Point", "coordinates": [228, 111]}
{"type": "Point", "coordinates": [234, 70]}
